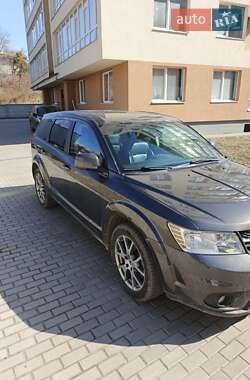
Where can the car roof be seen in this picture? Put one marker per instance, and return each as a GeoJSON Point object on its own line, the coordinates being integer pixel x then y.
{"type": "Point", "coordinates": [100, 118]}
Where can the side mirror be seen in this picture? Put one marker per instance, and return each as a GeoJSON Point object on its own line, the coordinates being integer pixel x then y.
{"type": "Point", "coordinates": [89, 161]}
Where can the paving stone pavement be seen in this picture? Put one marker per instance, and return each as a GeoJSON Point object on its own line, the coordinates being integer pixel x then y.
{"type": "Point", "coordinates": [64, 315]}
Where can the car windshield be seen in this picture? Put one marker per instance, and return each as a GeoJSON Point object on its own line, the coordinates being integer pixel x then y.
{"type": "Point", "coordinates": [45, 109]}
{"type": "Point", "coordinates": [158, 144]}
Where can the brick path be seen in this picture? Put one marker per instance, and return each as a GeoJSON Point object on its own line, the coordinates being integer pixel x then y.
{"type": "Point", "coordinates": [63, 314]}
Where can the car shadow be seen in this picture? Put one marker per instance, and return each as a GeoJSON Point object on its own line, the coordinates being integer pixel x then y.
{"type": "Point", "coordinates": [58, 279]}
{"type": "Point", "coordinates": [14, 131]}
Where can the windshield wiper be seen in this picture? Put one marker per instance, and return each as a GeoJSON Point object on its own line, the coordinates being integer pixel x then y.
{"type": "Point", "coordinates": [195, 162]}
{"type": "Point", "coordinates": [147, 169]}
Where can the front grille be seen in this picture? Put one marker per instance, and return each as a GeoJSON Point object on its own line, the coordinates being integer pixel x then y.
{"type": "Point", "coordinates": [245, 236]}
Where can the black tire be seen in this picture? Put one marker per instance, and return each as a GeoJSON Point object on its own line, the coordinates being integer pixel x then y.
{"type": "Point", "coordinates": [151, 287]}
{"type": "Point", "coordinates": [45, 200]}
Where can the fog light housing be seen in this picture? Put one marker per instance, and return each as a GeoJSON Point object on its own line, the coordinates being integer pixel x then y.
{"type": "Point", "coordinates": [220, 301]}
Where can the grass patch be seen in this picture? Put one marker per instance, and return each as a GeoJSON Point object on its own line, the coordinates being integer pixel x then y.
{"type": "Point", "coordinates": [236, 148]}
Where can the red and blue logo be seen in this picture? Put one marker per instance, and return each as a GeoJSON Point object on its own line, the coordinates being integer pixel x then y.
{"type": "Point", "coordinates": [200, 19]}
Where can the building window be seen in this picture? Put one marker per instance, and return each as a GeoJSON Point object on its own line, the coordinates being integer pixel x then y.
{"type": "Point", "coordinates": [39, 65]}
{"type": "Point", "coordinates": [78, 30]}
{"type": "Point", "coordinates": [168, 85]}
{"type": "Point", "coordinates": [36, 30]}
{"type": "Point", "coordinates": [107, 87]}
{"type": "Point", "coordinates": [163, 10]}
{"type": "Point", "coordinates": [56, 5]}
{"type": "Point", "coordinates": [233, 33]}
{"type": "Point", "coordinates": [28, 7]}
{"type": "Point", "coordinates": [82, 92]}
{"type": "Point", "coordinates": [225, 85]}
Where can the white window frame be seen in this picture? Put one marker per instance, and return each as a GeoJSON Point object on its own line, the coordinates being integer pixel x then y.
{"type": "Point", "coordinates": [37, 30]}
{"type": "Point", "coordinates": [168, 20]}
{"type": "Point", "coordinates": [110, 100]}
{"type": "Point", "coordinates": [183, 80]}
{"type": "Point", "coordinates": [236, 87]}
{"type": "Point", "coordinates": [229, 6]}
{"type": "Point", "coordinates": [82, 91]}
{"type": "Point", "coordinates": [83, 38]}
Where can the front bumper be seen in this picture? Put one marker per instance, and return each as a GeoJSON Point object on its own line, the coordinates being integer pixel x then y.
{"type": "Point", "coordinates": [200, 281]}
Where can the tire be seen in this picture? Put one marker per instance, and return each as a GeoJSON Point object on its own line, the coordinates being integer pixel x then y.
{"type": "Point", "coordinates": [43, 196]}
{"type": "Point", "coordinates": [141, 262]}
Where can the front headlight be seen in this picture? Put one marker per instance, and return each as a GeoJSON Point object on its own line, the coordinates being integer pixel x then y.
{"type": "Point", "coordinates": [207, 243]}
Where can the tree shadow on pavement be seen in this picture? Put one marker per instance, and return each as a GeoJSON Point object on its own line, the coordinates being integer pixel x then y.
{"type": "Point", "coordinates": [58, 279]}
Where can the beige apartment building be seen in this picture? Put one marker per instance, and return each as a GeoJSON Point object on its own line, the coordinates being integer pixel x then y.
{"type": "Point", "coordinates": [124, 55]}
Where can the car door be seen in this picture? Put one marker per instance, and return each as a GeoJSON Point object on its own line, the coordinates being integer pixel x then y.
{"type": "Point", "coordinates": [87, 188]}
{"type": "Point", "coordinates": [57, 164]}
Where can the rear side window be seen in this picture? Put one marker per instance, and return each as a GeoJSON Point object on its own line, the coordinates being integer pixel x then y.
{"type": "Point", "coordinates": [43, 110]}
{"type": "Point", "coordinates": [43, 129]}
{"type": "Point", "coordinates": [84, 140]}
{"type": "Point", "coordinates": [59, 133]}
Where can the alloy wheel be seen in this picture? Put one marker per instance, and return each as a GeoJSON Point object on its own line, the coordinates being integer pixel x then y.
{"type": "Point", "coordinates": [129, 263]}
{"type": "Point", "coordinates": [40, 188]}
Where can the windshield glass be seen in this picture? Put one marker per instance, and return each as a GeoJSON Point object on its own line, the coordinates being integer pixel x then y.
{"type": "Point", "coordinates": [140, 145]}
{"type": "Point", "coordinates": [46, 109]}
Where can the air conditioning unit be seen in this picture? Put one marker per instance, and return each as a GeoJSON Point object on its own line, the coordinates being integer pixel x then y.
{"type": "Point", "coordinates": [248, 22]}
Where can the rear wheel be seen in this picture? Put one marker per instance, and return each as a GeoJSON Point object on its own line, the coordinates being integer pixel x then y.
{"type": "Point", "coordinates": [42, 193]}
{"type": "Point", "coordinates": [135, 264]}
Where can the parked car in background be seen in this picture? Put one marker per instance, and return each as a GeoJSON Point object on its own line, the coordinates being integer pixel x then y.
{"type": "Point", "coordinates": [37, 113]}
{"type": "Point", "coordinates": [173, 213]}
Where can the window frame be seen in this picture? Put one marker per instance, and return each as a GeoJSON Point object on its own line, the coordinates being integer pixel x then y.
{"type": "Point", "coordinates": [36, 30]}
{"type": "Point", "coordinates": [110, 100]}
{"type": "Point", "coordinates": [74, 26]}
{"type": "Point", "coordinates": [87, 126]}
{"type": "Point", "coordinates": [167, 27]}
{"type": "Point", "coordinates": [67, 140]}
{"type": "Point", "coordinates": [229, 6]}
{"type": "Point", "coordinates": [182, 87]}
{"type": "Point", "coordinates": [82, 91]}
{"type": "Point", "coordinates": [235, 90]}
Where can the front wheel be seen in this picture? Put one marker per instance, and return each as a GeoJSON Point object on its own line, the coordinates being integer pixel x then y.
{"type": "Point", "coordinates": [43, 196]}
{"type": "Point", "coordinates": [135, 264]}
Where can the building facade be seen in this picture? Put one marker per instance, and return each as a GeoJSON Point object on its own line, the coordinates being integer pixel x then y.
{"type": "Point", "coordinates": [124, 55]}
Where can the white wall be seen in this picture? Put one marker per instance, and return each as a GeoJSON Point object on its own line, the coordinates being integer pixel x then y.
{"type": "Point", "coordinates": [128, 35]}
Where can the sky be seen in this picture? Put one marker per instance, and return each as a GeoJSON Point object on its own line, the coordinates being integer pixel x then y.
{"type": "Point", "coordinates": [12, 21]}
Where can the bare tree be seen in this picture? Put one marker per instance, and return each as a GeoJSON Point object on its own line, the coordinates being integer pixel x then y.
{"type": "Point", "coordinates": [4, 40]}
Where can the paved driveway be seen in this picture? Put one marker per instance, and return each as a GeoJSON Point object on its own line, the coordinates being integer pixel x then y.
{"type": "Point", "coordinates": [63, 314]}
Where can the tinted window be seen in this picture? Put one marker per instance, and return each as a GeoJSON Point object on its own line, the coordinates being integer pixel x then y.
{"type": "Point", "coordinates": [58, 135]}
{"type": "Point", "coordinates": [43, 129]}
{"type": "Point", "coordinates": [84, 140]}
{"type": "Point", "coordinates": [43, 110]}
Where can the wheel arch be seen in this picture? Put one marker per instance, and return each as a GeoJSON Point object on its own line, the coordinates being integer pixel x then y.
{"type": "Point", "coordinates": [38, 164]}
{"type": "Point", "coordinates": [122, 213]}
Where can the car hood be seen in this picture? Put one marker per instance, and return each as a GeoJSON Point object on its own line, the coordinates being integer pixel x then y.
{"type": "Point", "coordinates": [213, 196]}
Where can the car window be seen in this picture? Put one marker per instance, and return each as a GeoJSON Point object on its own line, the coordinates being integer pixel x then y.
{"type": "Point", "coordinates": [84, 140]}
{"type": "Point", "coordinates": [156, 143]}
{"type": "Point", "coordinates": [43, 129]}
{"type": "Point", "coordinates": [45, 109]}
{"type": "Point", "coordinates": [58, 135]}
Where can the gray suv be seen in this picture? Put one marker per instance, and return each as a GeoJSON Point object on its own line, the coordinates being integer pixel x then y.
{"type": "Point", "coordinates": [173, 213]}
